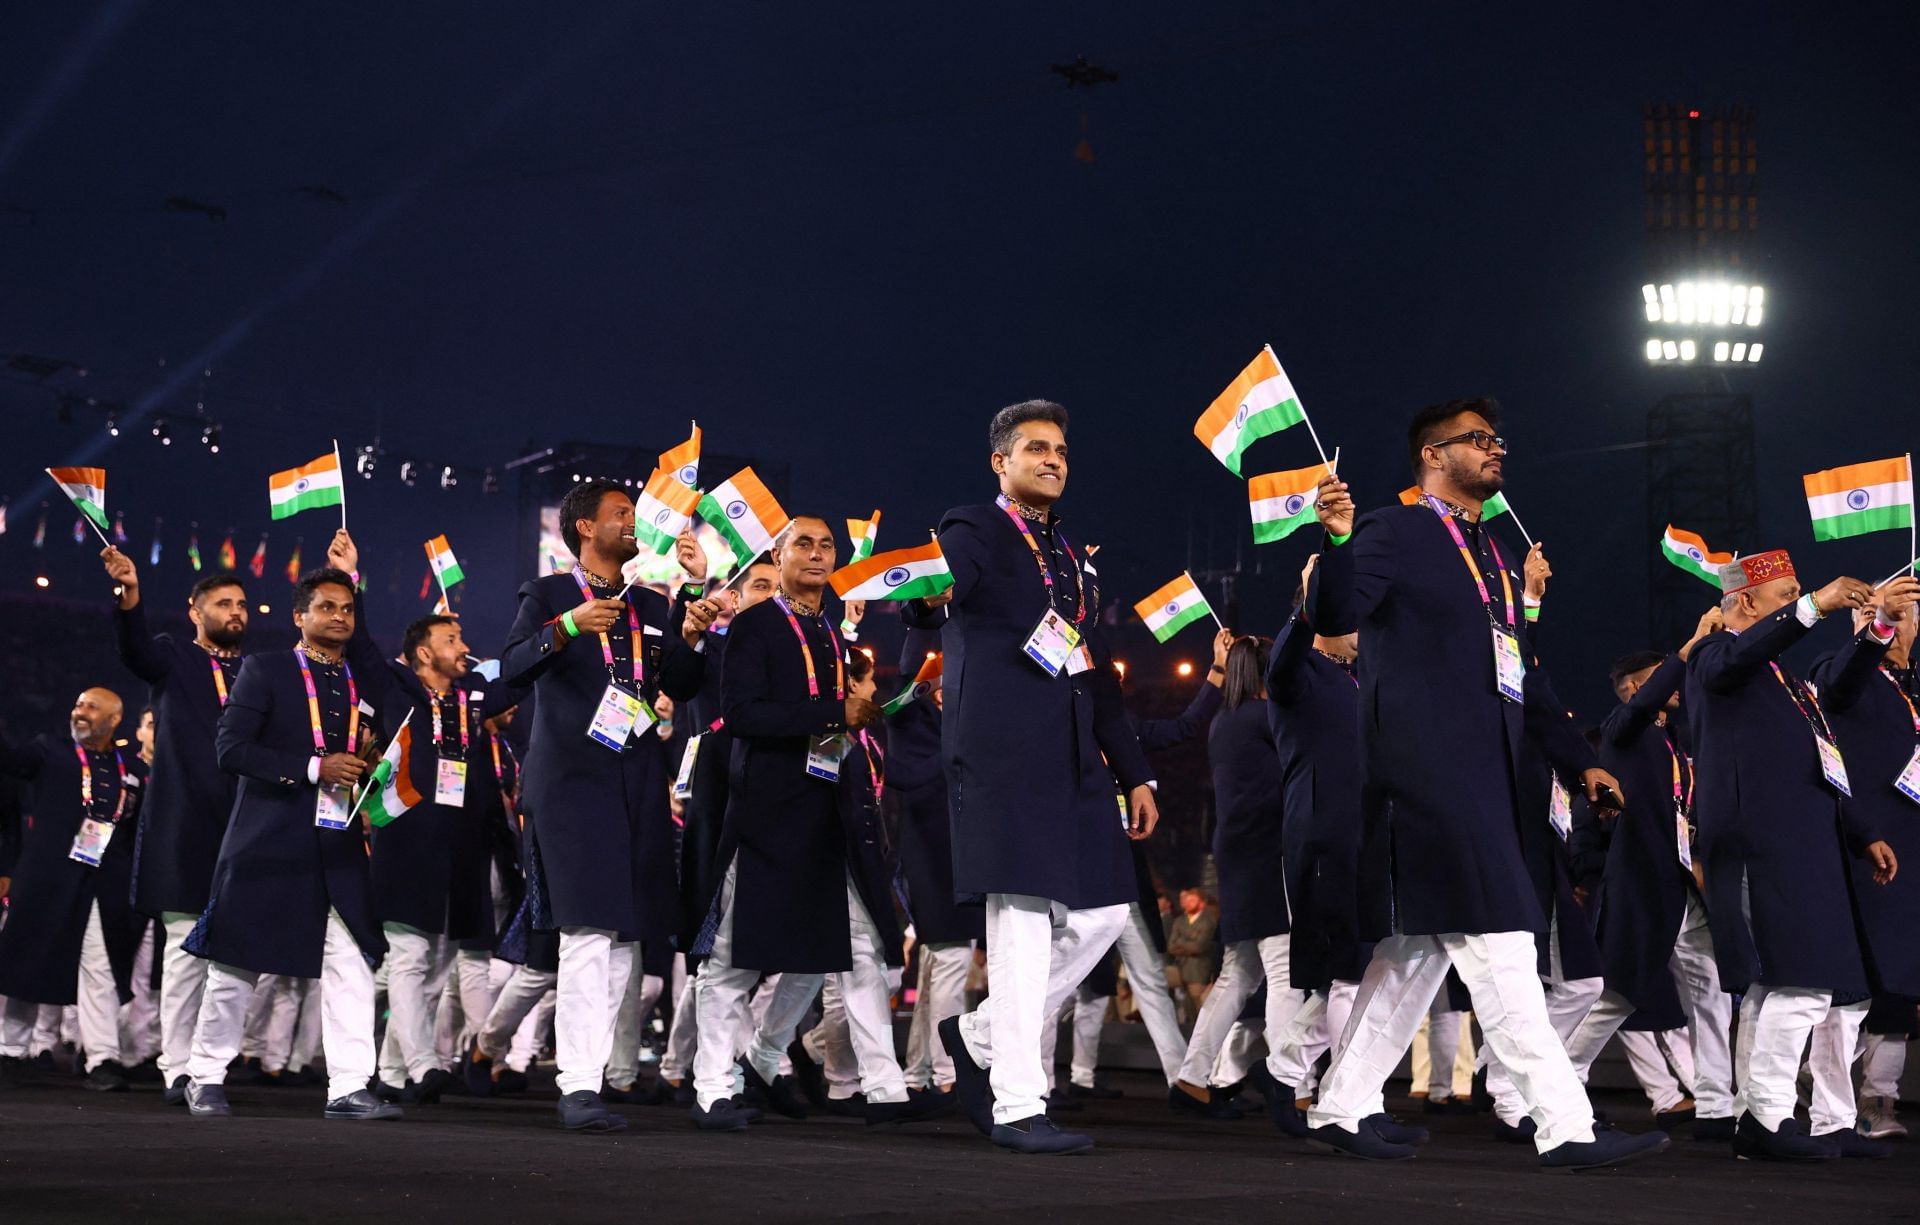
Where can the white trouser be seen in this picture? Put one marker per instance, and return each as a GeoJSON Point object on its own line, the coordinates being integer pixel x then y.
{"type": "Point", "coordinates": [1246, 964]}
{"type": "Point", "coordinates": [1830, 1058]}
{"type": "Point", "coordinates": [1246, 1043]}
{"type": "Point", "coordinates": [630, 1027]}
{"type": "Point", "coordinates": [1147, 975]}
{"type": "Point", "coordinates": [182, 976]}
{"type": "Point", "coordinates": [1089, 1019]}
{"type": "Point", "coordinates": [1037, 953]}
{"type": "Point", "coordinates": [281, 1022]}
{"type": "Point", "coordinates": [1499, 969]}
{"type": "Point", "coordinates": [346, 1016]}
{"type": "Point", "coordinates": [594, 966]}
{"type": "Point", "coordinates": [54, 1024]}
{"type": "Point", "coordinates": [464, 1004]}
{"type": "Point", "coordinates": [942, 993]}
{"type": "Point", "coordinates": [722, 997]}
{"type": "Point", "coordinates": [1316, 1027]}
{"type": "Point", "coordinates": [830, 1043]}
{"type": "Point", "coordinates": [677, 1063]}
{"type": "Point", "coordinates": [418, 964]}
{"type": "Point", "coordinates": [98, 999]}
{"type": "Point", "coordinates": [18, 1020]}
{"type": "Point", "coordinates": [1660, 1080]}
{"type": "Point", "coordinates": [140, 1016]}
{"type": "Point", "coordinates": [253, 1030]}
{"type": "Point", "coordinates": [1775, 1024]}
{"type": "Point", "coordinates": [1444, 1025]}
{"type": "Point", "coordinates": [513, 1009]}
{"type": "Point", "coordinates": [1568, 1003]}
{"type": "Point", "coordinates": [1883, 1057]}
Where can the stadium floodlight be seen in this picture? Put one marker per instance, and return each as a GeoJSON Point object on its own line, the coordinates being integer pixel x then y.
{"type": "Point", "coordinates": [1687, 351]}
{"type": "Point", "coordinates": [1740, 351]}
{"type": "Point", "coordinates": [1670, 350]}
{"type": "Point", "coordinates": [1753, 351]}
{"type": "Point", "coordinates": [1653, 350]}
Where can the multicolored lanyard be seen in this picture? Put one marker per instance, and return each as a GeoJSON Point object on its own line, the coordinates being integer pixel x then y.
{"type": "Point", "coordinates": [876, 764]}
{"type": "Point", "coordinates": [606, 643]}
{"type": "Point", "coordinates": [219, 677]}
{"type": "Point", "coordinates": [460, 695]}
{"type": "Point", "coordinates": [86, 786]}
{"type": "Point", "coordinates": [313, 705]}
{"type": "Point", "coordinates": [806, 648]}
{"type": "Point", "coordinates": [1473, 567]}
{"type": "Point", "coordinates": [1682, 793]}
{"type": "Point", "coordinates": [1904, 697]}
{"type": "Point", "coordinates": [1809, 706]}
{"type": "Point", "coordinates": [1046, 572]}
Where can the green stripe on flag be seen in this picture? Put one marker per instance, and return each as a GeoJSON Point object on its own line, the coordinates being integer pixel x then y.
{"type": "Point", "coordinates": [1875, 519]}
{"type": "Point", "coordinates": [920, 588]}
{"type": "Point", "coordinates": [452, 574]}
{"type": "Point", "coordinates": [653, 538]}
{"type": "Point", "coordinates": [1495, 505]}
{"type": "Point", "coordinates": [1186, 617]}
{"type": "Point", "coordinates": [1270, 420]}
{"type": "Point", "coordinates": [312, 499]}
{"type": "Point", "coordinates": [1686, 561]}
{"type": "Point", "coordinates": [716, 518]}
{"type": "Point", "coordinates": [1279, 529]}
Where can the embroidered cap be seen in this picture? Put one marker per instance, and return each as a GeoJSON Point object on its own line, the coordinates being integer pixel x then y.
{"type": "Point", "coordinates": [1752, 571]}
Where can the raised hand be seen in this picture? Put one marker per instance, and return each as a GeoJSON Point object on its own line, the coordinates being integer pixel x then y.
{"type": "Point", "coordinates": [1334, 505]}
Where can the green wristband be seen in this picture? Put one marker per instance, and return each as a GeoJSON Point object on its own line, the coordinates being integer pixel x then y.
{"type": "Point", "coordinates": [566, 619]}
{"type": "Point", "coordinates": [1339, 540]}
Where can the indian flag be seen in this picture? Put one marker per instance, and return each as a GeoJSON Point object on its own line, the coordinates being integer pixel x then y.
{"type": "Point", "coordinates": [923, 682]}
{"type": "Point", "coordinates": [1861, 498]}
{"type": "Point", "coordinates": [663, 510]}
{"type": "Point", "coordinates": [1173, 607]}
{"type": "Point", "coordinates": [863, 532]}
{"type": "Point", "coordinates": [87, 488]}
{"type": "Point", "coordinates": [307, 487]}
{"type": "Point", "coordinates": [1489, 509]}
{"type": "Point", "coordinates": [684, 460]}
{"type": "Point", "coordinates": [1690, 553]}
{"type": "Point", "coordinates": [1282, 503]}
{"type": "Point", "coordinates": [390, 792]}
{"type": "Point", "coordinates": [1258, 403]}
{"type": "Point", "coordinates": [903, 574]}
{"type": "Point", "coordinates": [741, 509]}
{"type": "Point", "coordinates": [445, 567]}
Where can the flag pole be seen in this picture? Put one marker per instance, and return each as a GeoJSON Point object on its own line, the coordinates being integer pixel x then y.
{"type": "Point", "coordinates": [1913, 525]}
{"type": "Point", "coordinates": [1306, 418]}
{"type": "Point", "coordinates": [1188, 575]}
{"type": "Point", "coordinates": [1906, 569]}
{"type": "Point", "coordinates": [1520, 525]}
{"type": "Point", "coordinates": [343, 491]}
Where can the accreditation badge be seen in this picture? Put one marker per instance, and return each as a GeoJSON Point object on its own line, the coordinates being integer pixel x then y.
{"type": "Point", "coordinates": [824, 754]}
{"type": "Point", "coordinates": [1683, 838]}
{"type": "Point", "coordinates": [619, 712]}
{"type": "Point", "coordinates": [1909, 781]}
{"type": "Point", "coordinates": [1052, 642]}
{"type": "Point", "coordinates": [1509, 670]}
{"type": "Point", "coordinates": [1560, 810]}
{"type": "Point", "coordinates": [90, 844]}
{"type": "Point", "coordinates": [1831, 764]}
{"type": "Point", "coordinates": [333, 809]}
{"type": "Point", "coordinates": [683, 781]}
{"type": "Point", "coordinates": [450, 783]}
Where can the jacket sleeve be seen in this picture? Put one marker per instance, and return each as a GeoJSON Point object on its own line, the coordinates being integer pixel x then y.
{"type": "Point", "coordinates": [1157, 734]}
{"type": "Point", "coordinates": [1723, 662]}
{"type": "Point", "coordinates": [682, 669]}
{"type": "Point", "coordinates": [137, 649]}
{"type": "Point", "coordinates": [373, 673]}
{"type": "Point", "coordinates": [1843, 676]}
{"type": "Point", "coordinates": [1628, 720]}
{"type": "Point", "coordinates": [746, 690]}
{"type": "Point", "coordinates": [236, 742]}
{"type": "Point", "coordinates": [535, 640]}
{"type": "Point", "coordinates": [1286, 678]}
{"type": "Point", "coordinates": [1353, 578]}
{"type": "Point", "coordinates": [965, 552]}
{"type": "Point", "coordinates": [1111, 730]}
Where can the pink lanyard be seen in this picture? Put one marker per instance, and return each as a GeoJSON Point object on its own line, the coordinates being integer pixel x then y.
{"type": "Point", "coordinates": [806, 648]}
{"type": "Point", "coordinates": [461, 696]}
{"type": "Point", "coordinates": [86, 786]}
{"type": "Point", "coordinates": [1473, 567]}
{"type": "Point", "coordinates": [1816, 718]}
{"type": "Point", "coordinates": [1682, 796]}
{"type": "Point", "coordinates": [1046, 571]}
{"type": "Point", "coordinates": [313, 705]}
{"type": "Point", "coordinates": [876, 764]}
{"type": "Point", "coordinates": [219, 677]}
{"type": "Point", "coordinates": [1904, 697]}
{"type": "Point", "coordinates": [606, 643]}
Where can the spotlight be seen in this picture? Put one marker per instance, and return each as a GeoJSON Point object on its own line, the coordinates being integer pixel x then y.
{"type": "Point", "coordinates": [265, 609]}
{"type": "Point", "coordinates": [1687, 351]}
{"type": "Point", "coordinates": [113, 425]}
{"type": "Point", "coordinates": [1653, 350]}
{"type": "Point", "coordinates": [409, 472]}
{"type": "Point", "coordinates": [447, 479]}
{"type": "Point", "coordinates": [1753, 351]}
{"type": "Point", "coordinates": [210, 438]}
{"type": "Point", "coordinates": [41, 581]}
{"type": "Point", "coordinates": [365, 462]}
{"type": "Point", "coordinates": [162, 431]}
{"type": "Point", "coordinates": [1183, 669]}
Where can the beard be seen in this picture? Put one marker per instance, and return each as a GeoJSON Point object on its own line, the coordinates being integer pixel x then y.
{"type": "Point", "coordinates": [1475, 481]}
{"type": "Point", "coordinates": [226, 635]}
{"type": "Point", "coordinates": [622, 548]}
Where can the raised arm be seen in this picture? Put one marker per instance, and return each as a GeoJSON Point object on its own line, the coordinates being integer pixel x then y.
{"type": "Point", "coordinates": [1286, 675]}
{"type": "Point", "coordinates": [1353, 578]}
{"type": "Point", "coordinates": [1627, 721]}
{"type": "Point", "coordinates": [1843, 675]}
{"type": "Point", "coordinates": [1724, 662]}
{"type": "Point", "coordinates": [1157, 734]}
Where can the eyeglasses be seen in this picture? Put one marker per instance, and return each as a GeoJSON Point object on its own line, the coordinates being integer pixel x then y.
{"type": "Point", "coordinates": [1481, 440]}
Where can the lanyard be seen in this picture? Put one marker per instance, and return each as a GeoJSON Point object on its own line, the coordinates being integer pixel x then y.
{"type": "Point", "coordinates": [806, 648]}
{"type": "Point", "coordinates": [1904, 697]}
{"type": "Point", "coordinates": [876, 764]}
{"type": "Point", "coordinates": [313, 705]}
{"type": "Point", "coordinates": [1808, 705]}
{"type": "Point", "coordinates": [438, 732]}
{"type": "Point", "coordinates": [1682, 794]}
{"type": "Point", "coordinates": [606, 644]}
{"type": "Point", "coordinates": [219, 677]}
{"type": "Point", "coordinates": [1473, 567]}
{"type": "Point", "coordinates": [1046, 571]}
{"type": "Point", "coordinates": [86, 786]}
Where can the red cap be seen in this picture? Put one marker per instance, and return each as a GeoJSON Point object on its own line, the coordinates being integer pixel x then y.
{"type": "Point", "coordinates": [1754, 570]}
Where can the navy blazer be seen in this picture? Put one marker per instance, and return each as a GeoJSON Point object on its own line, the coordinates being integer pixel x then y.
{"type": "Point", "coordinates": [1875, 725]}
{"type": "Point", "coordinates": [1031, 759]}
{"type": "Point", "coordinates": [190, 797]}
{"type": "Point", "coordinates": [1770, 831]}
{"type": "Point", "coordinates": [600, 837]}
{"type": "Point", "coordinates": [917, 794]}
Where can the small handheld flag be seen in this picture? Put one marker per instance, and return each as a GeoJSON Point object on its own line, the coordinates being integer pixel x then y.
{"type": "Point", "coordinates": [1174, 607]}
{"type": "Point", "coordinates": [1861, 498]}
{"type": "Point", "coordinates": [1282, 503]}
{"type": "Point", "coordinates": [745, 514]}
{"type": "Point", "coordinates": [389, 791]}
{"type": "Point", "coordinates": [193, 546]}
{"type": "Point", "coordinates": [86, 488]}
{"type": "Point", "coordinates": [684, 460]}
{"type": "Point", "coordinates": [1690, 553]}
{"type": "Point", "coordinates": [445, 568]}
{"type": "Point", "coordinates": [229, 557]}
{"type": "Point", "coordinates": [1259, 402]}
{"type": "Point", "coordinates": [293, 563]}
{"type": "Point", "coordinates": [863, 533]}
{"type": "Point", "coordinates": [923, 682]}
{"type": "Point", "coordinates": [257, 564]}
{"type": "Point", "coordinates": [308, 487]}
{"type": "Point", "coordinates": [900, 574]}
{"type": "Point", "coordinates": [663, 510]}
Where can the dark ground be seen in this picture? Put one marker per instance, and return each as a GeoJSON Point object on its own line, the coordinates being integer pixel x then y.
{"type": "Point", "coordinates": [70, 1155]}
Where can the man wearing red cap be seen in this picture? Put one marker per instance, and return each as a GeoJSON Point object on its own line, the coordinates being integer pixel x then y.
{"type": "Point", "coordinates": [1774, 832]}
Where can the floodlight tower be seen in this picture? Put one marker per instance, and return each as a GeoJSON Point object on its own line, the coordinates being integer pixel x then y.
{"type": "Point", "coordinates": [1705, 307]}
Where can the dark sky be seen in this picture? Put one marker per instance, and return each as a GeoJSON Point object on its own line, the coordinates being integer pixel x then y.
{"type": "Point", "coordinates": [842, 236]}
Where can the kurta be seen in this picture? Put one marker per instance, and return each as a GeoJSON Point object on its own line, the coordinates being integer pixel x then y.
{"type": "Point", "coordinates": [872, 848]}
{"type": "Point", "coordinates": [917, 794]}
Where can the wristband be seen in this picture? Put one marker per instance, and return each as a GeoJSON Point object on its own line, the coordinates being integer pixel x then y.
{"type": "Point", "coordinates": [693, 591]}
{"type": "Point", "coordinates": [1339, 540]}
{"type": "Point", "coordinates": [566, 619]}
{"type": "Point", "coordinates": [1883, 631]}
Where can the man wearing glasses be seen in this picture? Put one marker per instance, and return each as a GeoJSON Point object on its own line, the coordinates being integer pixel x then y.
{"type": "Point", "coordinates": [1444, 710]}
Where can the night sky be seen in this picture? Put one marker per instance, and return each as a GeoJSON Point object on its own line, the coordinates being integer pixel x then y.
{"type": "Point", "coordinates": [842, 236]}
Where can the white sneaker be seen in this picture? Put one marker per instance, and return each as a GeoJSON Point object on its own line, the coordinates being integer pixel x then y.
{"type": "Point", "coordinates": [1877, 1121]}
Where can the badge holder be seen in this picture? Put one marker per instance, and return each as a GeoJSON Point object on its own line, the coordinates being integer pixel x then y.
{"type": "Point", "coordinates": [1682, 837]}
{"type": "Point", "coordinates": [1560, 810]}
{"type": "Point", "coordinates": [619, 713]}
{"type": "Point", "coordinates": [824, 754]}
{"type": "Point", "coordinates": [333, 808]}
{"type": "Point", "coordinates": [683, 781]}
{"type": "Point", "coordinates": [1832, 765]}
{"type": "Point", "coordinates": [450, 783]}
{"type": "Point", "coordinates": [90, 844]}
{"type": "Point", "coordinates": [1509, 670]}
{"type": "Point", "coordinates": [1908, 784]}
{"type": "Point", "coordinates": [1053, 644]}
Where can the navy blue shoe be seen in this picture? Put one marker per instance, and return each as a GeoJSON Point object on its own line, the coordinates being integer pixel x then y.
{"type": "Point", "coordinates": [207, 1101]}
{"type": "Point", "coordinates": [1753, 1142]}
{"type": "Point", "coordinates": [477, 1069]}
{"type": "Point", "coordinates": [1216, 1107]}
{"type": "Point", "coordinates": [1716, 1131]}
{"type": "Point", "coordinates": [1037, 1136]}
{"type": "Point", "coordinates": [176, 1093]}
{"type": "Point", "coordinates": [1364, 1143]}
{"type": "Point", "coordinates": [1286, 1115]}
{"type": "Point", "coordinates": [361, 1106]}
{"type": "Point", "coordinates": [1608, 1147]}
{"type": "Point", "coordinates": [581, 1110]}
{"type": "Point", "coordinates": [725, 1116]}
{"type": "Point", "coordinates": [1393, 1131]}
{"type": "Point", "coordinates": [921, 1104]}
{"type": "Point", "coordinates": [1850, 1143]}
{"type": "Point", "coordinates": [971, 1087]}
{"type": "Point", "coordinates": [779, 1094]}
{"type": "Point", "coordinates": [1509, 1133]}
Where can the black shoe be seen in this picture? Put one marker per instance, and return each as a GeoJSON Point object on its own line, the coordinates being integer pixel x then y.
{"type": "Point", "coordinates": [970, 1083]}
{"type": "Point", "coordinates": [581, 1111]}
{"type": "Point", "coordinates": [921, 1104]}
{"type": "Point", "coordinates": [1753, 1142]}
{"type": "Point", "coordinates": [1057, 1102]}
{"type": "Point", "coordinates": [1510, 1133]}
{"type": "Point", "coordinates": [1608, 1147]}
{"type": "Point", "coordinates": [306, 1078]}
{"type": "Point", "coordinates": [436, 1082]}
{"type": "Point", "coordinates": [1097, 1093]}
{"type": "Point", "coordinates": [725, 1116]}
{"type": "Point", "coordinates": [1667, 1120]}
{"type": "Point", "coordinates": [510, 1081]}
{"type": "Point", "coordinates": [1365, 1144]}
{"type": "Point", "coordinates": [107, 1077]}
{"type": "Point", "coordinates": [779, 1094]}
{"type": "Point", "coordinates": [751, 1114]}
{"type": "Point", "coordinates": [1852, 1144]}
{"type": "Point", "coordinates": [683, 1094]}
{"type": "Point", "coordinates": [207, 1101]}
{"type": "Point", "coordinates": [407, 1095]}
{"type": "Point", "coordinates": [360, 1106]}
{"type": "Point", "coordinates": [659, 1093]}
{"type": "Point", "coordinates": [1216, 1108]}
{"type": "Point", "coordinates": [1447, 1105]}
{"type": "Point", "coordinates": [1481, 1099]}
{"type": "Point", "coordinates": [477, 1070]}
{"type": "Point", "coordinates": [1286, 1115]}
{"type": "Point", "coordinates": [808, 1075]}
{"type": "Point", "coordinates": [1718, 1130]}
{"type": "Point", "coordinates": [622, 1097]}
{"type": "Point", "coordinates": [854, 1107]}
{"type": "Point", "coordinates": [176, 1093]}
{"type": "Point", "coordinates": [1393, 1131]}
{"type": "Point", "coordinates": [1037, 1136]}
{"type": "Point", "coordinates": [258, 1075]}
